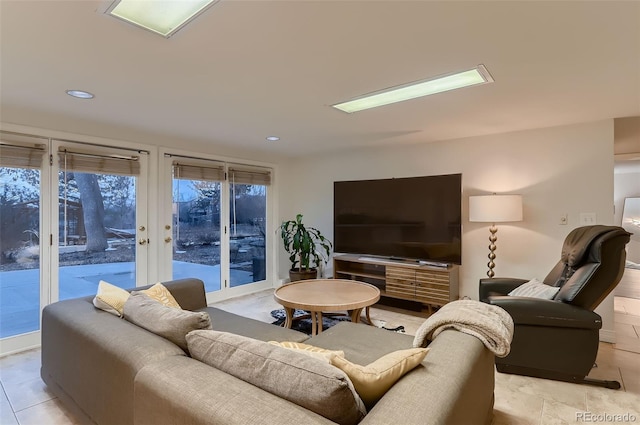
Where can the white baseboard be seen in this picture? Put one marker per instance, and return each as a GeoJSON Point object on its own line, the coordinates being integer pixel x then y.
{"type": "Point", "coordinates": [607, 335]}
{"type": "Point", "coordinates": [16, 344]}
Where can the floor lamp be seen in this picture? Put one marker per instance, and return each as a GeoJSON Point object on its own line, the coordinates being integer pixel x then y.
{"type": "Point", "coordinates": [494, 209]}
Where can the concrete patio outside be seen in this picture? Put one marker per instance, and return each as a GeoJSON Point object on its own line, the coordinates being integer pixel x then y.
{"type": "Point", "coordinates": [20, 289]}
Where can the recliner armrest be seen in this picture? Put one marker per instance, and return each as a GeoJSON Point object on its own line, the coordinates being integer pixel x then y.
{"type": "Point", "coordinates": [498, 286]}
{"type": "Point", "coordinates": [540, 312]}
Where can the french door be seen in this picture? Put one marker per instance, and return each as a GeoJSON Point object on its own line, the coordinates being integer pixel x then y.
{"type": "Point", "coordinates": [71, 214]}
{"type": "Point", "coordinates": [101, 218]}
{"type": "Point", "coordinates": [216, 224]}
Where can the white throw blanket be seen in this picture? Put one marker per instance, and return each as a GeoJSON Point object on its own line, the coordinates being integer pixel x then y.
{"type": "Point", "coordinates": [489, 323]}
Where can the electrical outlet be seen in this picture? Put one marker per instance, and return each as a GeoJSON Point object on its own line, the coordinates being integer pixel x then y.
{"type": "Point", "coordinates": [587, 219]}
{"type": "Point", "coordinates": [564, 220]}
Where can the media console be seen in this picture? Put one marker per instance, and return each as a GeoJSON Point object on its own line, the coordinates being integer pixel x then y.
{"type": "Point", "coordinates": [428, 284]}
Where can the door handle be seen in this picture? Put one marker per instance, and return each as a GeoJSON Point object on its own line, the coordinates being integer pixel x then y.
{"type": "Point", "coordinates": [168, 239]}
{"type": "Point", "coordinates": [143, 241]}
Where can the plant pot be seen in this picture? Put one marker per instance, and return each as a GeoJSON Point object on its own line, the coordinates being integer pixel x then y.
{"type": "Point", "coordinates": [295, 274]}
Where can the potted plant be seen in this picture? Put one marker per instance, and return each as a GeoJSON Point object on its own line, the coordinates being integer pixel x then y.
{"type": "Point", "coordinates": [306, 247]}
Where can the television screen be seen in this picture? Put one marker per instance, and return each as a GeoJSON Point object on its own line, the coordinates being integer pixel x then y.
{"type": "Point", "coordinates": [417, 218]}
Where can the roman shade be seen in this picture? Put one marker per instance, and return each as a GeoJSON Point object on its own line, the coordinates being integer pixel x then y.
{"type": "Point", "coordinates": [21, 151]}
{"type": "Point", "coordinates": [98, 163]}
{"type": "Point", "coordinates": [195, 171]}
{"type": "Point", "coordinates": [249, 175]}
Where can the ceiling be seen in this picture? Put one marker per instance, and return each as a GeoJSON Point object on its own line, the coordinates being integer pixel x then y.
{"type": "Point", "coordinates": [245, 70]}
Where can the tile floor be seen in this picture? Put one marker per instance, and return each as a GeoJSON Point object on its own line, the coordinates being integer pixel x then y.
{"type": "Point", "coordinates": [518, 399]}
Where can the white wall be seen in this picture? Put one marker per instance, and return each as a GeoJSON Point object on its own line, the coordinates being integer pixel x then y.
{"type": "Point", "coordinates": [560, 170]}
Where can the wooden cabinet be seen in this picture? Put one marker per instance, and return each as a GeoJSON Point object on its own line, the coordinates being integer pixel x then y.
{"type": "Point", "coordinates": [429, 285]}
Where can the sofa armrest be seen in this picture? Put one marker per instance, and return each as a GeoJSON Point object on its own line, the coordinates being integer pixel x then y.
{"type": "Point", "coordinates": [189, 293]}
{"type": "Point", "coordinates": [454, 385]}
{"type": "Point", "coordinates": [541, 312]}
{"type": "Point", "coordinates": [91, 357]}
{"type": "Point", "coordinates": [498, 286]}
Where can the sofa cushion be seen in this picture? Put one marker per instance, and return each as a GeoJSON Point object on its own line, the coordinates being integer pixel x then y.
{"type": "Point", "coordinates": [296, 377]}
{"type": "Point", "coordinates": [169, 322]}
{"type": "Point", "coordinates": [161, 294]}
{"type": "Point", "coordinates": [374, 380]}
{"type": "Point", "coordinates": [225, 321]}
{"type": "Point", "coordinates": [110, 298]}
{"type": "Point", "coordinates": [309, 350]}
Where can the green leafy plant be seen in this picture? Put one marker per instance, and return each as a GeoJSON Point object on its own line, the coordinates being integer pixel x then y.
{"type": "Point", "coordinates": [306, 246]}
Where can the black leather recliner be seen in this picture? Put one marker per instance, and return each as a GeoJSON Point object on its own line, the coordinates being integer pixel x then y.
{"type": "Point", "coordinates": [558, 339]}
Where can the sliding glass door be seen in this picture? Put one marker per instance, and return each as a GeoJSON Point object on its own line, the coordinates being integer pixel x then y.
{"type": "Point", "coordinates": [20, 230]}
{"type": "Point", "coordinates": [248, 225]}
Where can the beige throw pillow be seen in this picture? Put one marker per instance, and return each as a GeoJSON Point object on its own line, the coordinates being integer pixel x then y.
{"type": "Point", "coordinates": [168, 322]}
{"type": "Point", "coordinates": [298, 378]}
{"type": "Point", "coordinates": [375, 379]}
{"type": "Point", "coordinates": [160, 293]}
{"type": "Point", "coordinates": [309, 350]}
{"type": "Point", "coordinates": [110, 298]}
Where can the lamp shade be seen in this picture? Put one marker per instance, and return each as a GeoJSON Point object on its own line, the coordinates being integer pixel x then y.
{"type": "Point", "coordinates": [495, 208]}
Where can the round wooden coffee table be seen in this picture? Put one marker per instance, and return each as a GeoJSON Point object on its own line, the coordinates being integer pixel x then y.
{"type": "Point", "coordinates": [328, 295]}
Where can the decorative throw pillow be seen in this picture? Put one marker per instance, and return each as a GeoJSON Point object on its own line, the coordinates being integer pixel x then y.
{"type": "Point", "coordinates": [374, 380]}
{"type": "Point", "coordinates": [168, 322]}
{"type": "Point", "coordinates": [160, 293]}
{"type": "Point", "coordinates": [309, 350]}
{"type": "Point", "coordinates": [110, 298]}
{"type": "Point", "coordinates": [298, 378]}
{"type": "Point", "coordinates": [535, 289]}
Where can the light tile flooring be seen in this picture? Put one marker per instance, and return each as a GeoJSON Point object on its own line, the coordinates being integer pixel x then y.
{"type": "Point", "coordinates": [518, 399]}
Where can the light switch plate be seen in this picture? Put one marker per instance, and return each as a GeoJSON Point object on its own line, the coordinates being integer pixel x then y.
{"type": "Point", "coordinates": [587, 219]}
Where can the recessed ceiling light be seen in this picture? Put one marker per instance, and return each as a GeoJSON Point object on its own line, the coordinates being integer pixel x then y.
{"type": "Point", "coordinates": [80, 94]}
{"type": "Point", "coordinates": [273, 138]}
{"type": "Point", "coordinates": [159, 16]}
{"type": "Point", "coordinates": [470, 77]}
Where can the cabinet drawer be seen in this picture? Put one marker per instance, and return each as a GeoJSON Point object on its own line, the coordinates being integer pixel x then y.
{"type": "Point", "coordinates": [430, 296]}
{"type": "Point", "coordinates": [400, 273]}
{"type": "Point", "coordinates": [400, 291]}
{"type": "Point", "coordinates": [432, 276]}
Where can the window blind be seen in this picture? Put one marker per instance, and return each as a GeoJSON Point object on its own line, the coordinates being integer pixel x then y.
{"type": "Point", "coordinates": [192, 171]}
{"type": "Point", "coordinates": [21, 151]}
{"type": "Point", "coordinates": [87, 162]}
{"type": "Point", "coordinates": [247, 175]}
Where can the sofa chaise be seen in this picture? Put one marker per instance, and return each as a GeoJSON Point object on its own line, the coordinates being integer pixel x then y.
{"type": "Point", "coordinates": [111, 372]}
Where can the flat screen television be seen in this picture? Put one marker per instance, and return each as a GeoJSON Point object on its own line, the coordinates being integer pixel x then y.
{"type": "Point", "coordinates": [415, 218]}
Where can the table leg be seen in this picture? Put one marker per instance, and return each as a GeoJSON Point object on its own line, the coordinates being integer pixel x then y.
{"type": "Point", "coordinates": [319, 321]}
{"type": "Point", "coordinates": [314, 322]}
{"type": "Point", "coordinates": [289, 320]}
{"type": "Point", "coordinates": [355, 315]}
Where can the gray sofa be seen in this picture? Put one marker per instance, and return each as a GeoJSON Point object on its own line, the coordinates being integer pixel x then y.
{"type": "Point", "coordinates": [111, 372]}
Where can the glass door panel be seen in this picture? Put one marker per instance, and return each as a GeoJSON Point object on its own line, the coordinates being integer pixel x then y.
{"type": "Point", "coordinates": [19, 250]}
{"type": "Point", "coordinates": [196, 235]}
{"type": "Point", "coordinates": [247, 254]}
{"type": "Point", "coordinates": [97, 232]}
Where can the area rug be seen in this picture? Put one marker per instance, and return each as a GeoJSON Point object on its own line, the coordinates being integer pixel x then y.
{"type": "Point", "coordinates": [304, 325]}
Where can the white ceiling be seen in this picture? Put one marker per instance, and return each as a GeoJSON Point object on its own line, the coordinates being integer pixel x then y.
{"type": "Point", "coordinates": [248, 69]}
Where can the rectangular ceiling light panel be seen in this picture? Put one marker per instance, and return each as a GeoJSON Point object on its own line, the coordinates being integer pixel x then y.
{"type": "Point", "coordinates": [164, 17]}
{"type": "Point", "coordinates": [471, 77]}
